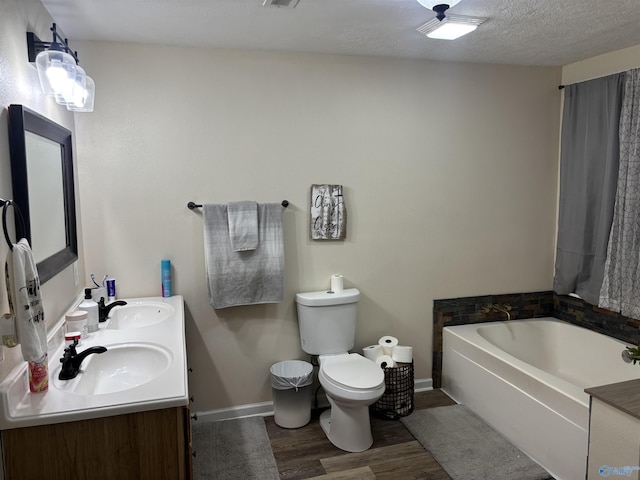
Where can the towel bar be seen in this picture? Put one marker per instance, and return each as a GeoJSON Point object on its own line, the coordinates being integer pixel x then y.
{"type": "Point", "coordinates": [192, 205]}
{"type": "Point", "coordinates": [5, 204]}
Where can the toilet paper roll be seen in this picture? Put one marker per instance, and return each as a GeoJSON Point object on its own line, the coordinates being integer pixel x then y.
{"type": "Point", "coordinates": [385, 361]}
{"type": "Point", "coordinates": [337, 283]}
{"type": "Point", "coordinates": [388, 342]}
{"type": "Point", "coordinates": [372, 352]}
{"type": "Point", "coordinates": [402, 354]}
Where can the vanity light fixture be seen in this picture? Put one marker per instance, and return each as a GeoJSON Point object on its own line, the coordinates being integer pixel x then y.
{"type": "Point", "coordinates": [59, 73]}
{"type": "Point", "coordinates": [84, 100]}
{"type": "Point", "coordinates": [448, 27]}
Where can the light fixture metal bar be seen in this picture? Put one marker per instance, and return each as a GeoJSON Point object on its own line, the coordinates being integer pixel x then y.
{"type": "Point", "coordinates": [35, 45]}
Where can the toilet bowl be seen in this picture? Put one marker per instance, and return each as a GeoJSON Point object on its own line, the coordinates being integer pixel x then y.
{"type": "Point", "coordinates": [327, 321]}
{"type": "Point", "coordinates": [351, 383]}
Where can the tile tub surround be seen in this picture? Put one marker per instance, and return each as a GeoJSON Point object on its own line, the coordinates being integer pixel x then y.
{"type": "Point", "coordinates": [465, 310]}
{"type": "Point", "coordinates": [577, 311]}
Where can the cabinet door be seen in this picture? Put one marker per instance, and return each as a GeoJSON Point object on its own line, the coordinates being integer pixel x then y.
{"type": "Point", "coordinates": [614, 443]}
{"type": "Point", "coordinates": [139, 446]}
{"type": "Point", "coordinates": [188, 449]}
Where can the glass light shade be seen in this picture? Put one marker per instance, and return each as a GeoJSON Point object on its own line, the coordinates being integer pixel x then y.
{"type": "Point", "coordinates": [56, 70]}
{"type": "Point", "coordinates": [450, 30]}
{"type": "Point", "coordinates": [73, 92]}
{"type": "Point", "coordinates": [89, 96]}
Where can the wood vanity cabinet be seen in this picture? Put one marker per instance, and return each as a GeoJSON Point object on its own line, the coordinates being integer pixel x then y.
{"type": "Point", "coordinates": [152, 445]}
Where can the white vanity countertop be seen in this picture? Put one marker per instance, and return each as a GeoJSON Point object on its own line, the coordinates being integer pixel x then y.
{"type": "Point", "coordinates": [20, 408]}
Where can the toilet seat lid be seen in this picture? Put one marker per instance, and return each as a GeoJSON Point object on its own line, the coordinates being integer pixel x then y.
{"type": "Point", "coordinates": [353, 371]}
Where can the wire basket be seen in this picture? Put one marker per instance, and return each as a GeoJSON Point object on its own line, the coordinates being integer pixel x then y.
{"type": "Point", "coordinates": [397, 400]}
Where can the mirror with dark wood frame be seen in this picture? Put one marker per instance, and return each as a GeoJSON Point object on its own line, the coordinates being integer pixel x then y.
{"type": "Point", "coordinates": [42, 180]}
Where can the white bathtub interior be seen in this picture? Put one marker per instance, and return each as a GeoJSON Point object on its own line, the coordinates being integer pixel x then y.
{"type": "Point", "coordinates": [526, 378]}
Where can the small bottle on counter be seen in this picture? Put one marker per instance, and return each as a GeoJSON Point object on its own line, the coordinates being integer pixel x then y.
{"type": "Point", "coordinates": [91, 307]}
{"type": "Point", "coordinates": [39, 374]}
{"type": "Point", "coordinates": [166, 277]}
{"type": "Point", "coordinates": [111, 290]}
{"type": "Point", "coordinates": [77, 322]}
{"type": "Point", "coordinates": [72, 337]}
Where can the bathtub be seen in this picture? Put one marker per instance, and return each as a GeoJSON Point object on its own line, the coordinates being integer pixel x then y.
{"type": "Point", "coordinates": [526, 378]}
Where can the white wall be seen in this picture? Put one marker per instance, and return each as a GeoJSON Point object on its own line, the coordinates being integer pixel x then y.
{"type": "Point", "coordinates": [19, 84]}
{"type": "Point", "coordinates": [602, 65]}
{"type": "Point", "coordinates": [449, 171]}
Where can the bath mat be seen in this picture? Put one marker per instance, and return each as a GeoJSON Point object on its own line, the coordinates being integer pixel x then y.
{"type": "Point", "coordinates": [467, 448]}
{"type": "Point", "coordinates": [233, 449]}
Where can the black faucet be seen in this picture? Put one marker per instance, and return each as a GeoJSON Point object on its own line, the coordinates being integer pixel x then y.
{"type": "Point", "coordinates": [71, 360]}
{"type": "Point", "coordinates": [103, 310]}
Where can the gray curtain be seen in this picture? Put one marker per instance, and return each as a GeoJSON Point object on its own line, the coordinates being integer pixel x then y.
{"type": "Point", "coordinates": [621, 285]}
{"type": "Point", "coordinates": [588, 177]}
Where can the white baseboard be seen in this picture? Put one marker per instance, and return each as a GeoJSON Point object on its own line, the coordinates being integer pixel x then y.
{"type": "Point", "coordinates": [265, 409]}
{"type": "Point", "coordinates": [423, 385]}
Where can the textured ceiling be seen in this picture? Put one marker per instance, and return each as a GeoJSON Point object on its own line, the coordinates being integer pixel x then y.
{"type": "Point", "coordinates": [517, 32]}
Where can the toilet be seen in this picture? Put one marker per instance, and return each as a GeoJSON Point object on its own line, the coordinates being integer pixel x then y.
{"type": "Point", "coordinates": [327, 322]}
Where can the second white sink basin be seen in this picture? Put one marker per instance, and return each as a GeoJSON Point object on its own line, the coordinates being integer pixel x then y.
{"type": "Point", "coordinates": [121, 367]}
{"type": "Point", "coordinates": [139, 315]}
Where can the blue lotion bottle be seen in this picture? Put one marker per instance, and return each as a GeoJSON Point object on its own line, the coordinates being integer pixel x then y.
{"type": "Point", "coordinates": [166, 277]}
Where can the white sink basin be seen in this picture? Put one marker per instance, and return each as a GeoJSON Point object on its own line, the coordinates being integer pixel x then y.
{"type": "Point", "coordinates": [121, 367]}
{"type": "Point", "coordinates": [139, 315]}
{"type": "Point", "coordinates": [143, 369]}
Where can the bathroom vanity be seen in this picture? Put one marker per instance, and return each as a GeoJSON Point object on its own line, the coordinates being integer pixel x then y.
{"type": "Point", "coordinates": [147, 445]}
{"type": "Point", "coordinates": [126, 414]}
{"type": "Point", "coordinates": [614, 431]}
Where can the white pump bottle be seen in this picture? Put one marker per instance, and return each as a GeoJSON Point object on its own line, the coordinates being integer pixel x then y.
{"type": "Point", "coordinates": [91, 307]}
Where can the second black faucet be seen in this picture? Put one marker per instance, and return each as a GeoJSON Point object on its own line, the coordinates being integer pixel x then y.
{"type": "Point", "coordinates": [103, 310]}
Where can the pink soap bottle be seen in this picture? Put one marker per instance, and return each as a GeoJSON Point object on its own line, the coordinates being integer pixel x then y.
{"type": "Point", "coordinates": [39, 375]}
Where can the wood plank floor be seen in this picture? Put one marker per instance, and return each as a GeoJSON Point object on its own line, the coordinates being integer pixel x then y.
{"type": "Point", "coordinates": [305, 453]}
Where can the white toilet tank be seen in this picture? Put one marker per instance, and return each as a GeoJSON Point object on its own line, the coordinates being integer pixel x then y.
{"type": "Point", "coordinates": [327, 321]}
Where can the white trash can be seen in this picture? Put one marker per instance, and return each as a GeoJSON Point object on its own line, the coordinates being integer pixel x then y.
{"type": "Point", "coordinates": [291, 386]}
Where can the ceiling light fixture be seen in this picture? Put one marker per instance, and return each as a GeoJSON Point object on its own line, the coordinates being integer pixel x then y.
{"type": "Point", "coordinates": [448, 27]}
{"type": "Point", "coordinates": [429, 4]}
{"type": "Point", "coordinates": [59, 73]}
{"type": "Point", "coordinates": [280, 3]}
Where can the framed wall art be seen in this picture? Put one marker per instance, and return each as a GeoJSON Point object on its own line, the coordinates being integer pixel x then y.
{"type": "Point", "coordinates": [328, 213]}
